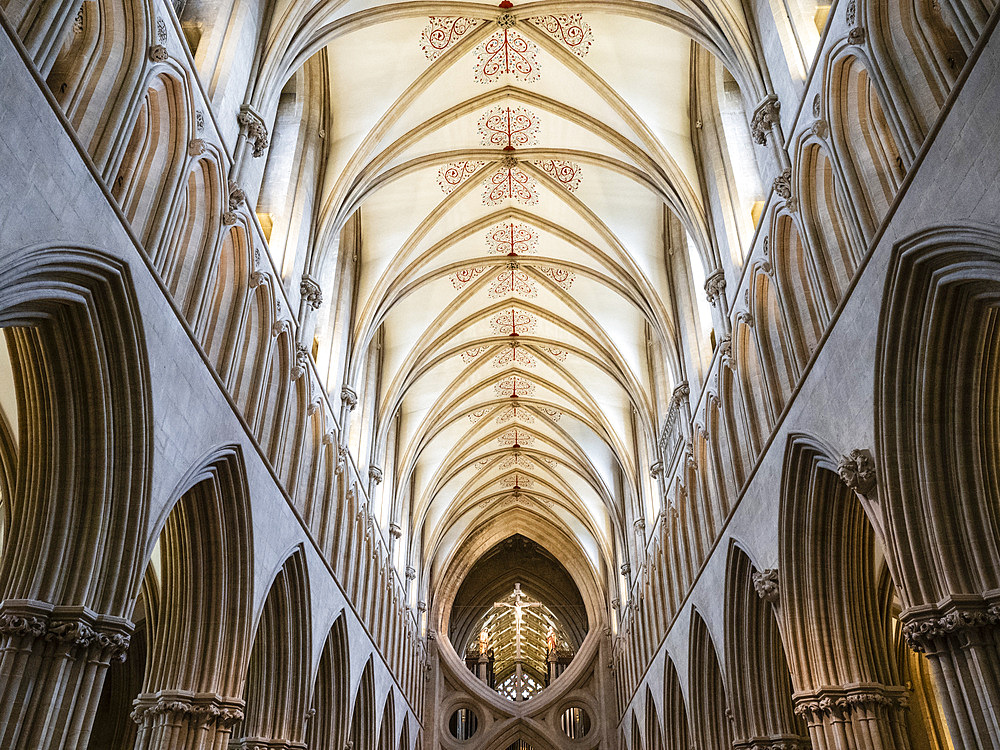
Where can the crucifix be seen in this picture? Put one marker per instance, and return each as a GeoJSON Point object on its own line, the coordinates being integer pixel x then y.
{"type": "Point", "coordinates": [518, 606]}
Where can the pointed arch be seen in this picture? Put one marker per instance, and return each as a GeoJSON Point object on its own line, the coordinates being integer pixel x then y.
{"type": "Point", "coordinates": [362, 732]}
{"type": "Point", "coordinates": [759, 679]}
{"type": "Point", "coordinates": [709, 701]}
{"type": "Point", "coordinates": [205, 571]}
{"type": "Point", "coordinates": [938, 459]}
{"type": "Point", "coordinates": [277, 682]}
{"type": "Point", "coordinates": [328, 725]}
{"type": "Point", "coordinates": [675, 717]}
{"type": "Point", "coordinates": [79, 510]}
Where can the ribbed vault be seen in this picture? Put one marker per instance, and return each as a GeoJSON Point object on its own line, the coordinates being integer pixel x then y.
{"type": "Point", "coordinates": [513, 228]}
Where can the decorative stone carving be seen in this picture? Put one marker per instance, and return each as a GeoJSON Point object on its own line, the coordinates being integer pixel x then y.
{"type": "Point", "coordinates": [395, 530]}
{"type": "Point", "coordinates": [765, 583]}
{"type": "Point", "coordinates": [196, 147]}
{"type": "Point", "coordinates": [744, 317]}
{"type": "Point", "coordinates": [301, 361]}
{"type": "Point", "coordinates": [819, 128]}
{"type": "Point", "coordinates": [237, 197]}
{"type": "Point", "coordinates": [921, 630]}
{"type": "Point", "coordinates": [73, 632]}
{"type": "Point", "coordinates": [349, 397]}
{"type": "Point", "coordinates": [851, 15]}
{"type": "Point", "coordinates": [857, 471]}
{"type": "Point", "coordinates": [310, 290]}
{"type": "Point", "coordinates": [765, 116]}
{"type": "Point", "coordinates": [816, 104]}
{"type": "Point", "coordinates": [158, 53]}
{"type": "Point", "coordinates": [252, 126]}
{"type": "Point", "coordinates": [840, 703]}
{"type": "Point", "coordinates": [783, 183]}
{"type": "Point", "coordinates": [341, 460]}
{"type": "Point", "coordinates": [198, 711]}
{"type": "Point", "coordinates": [161, 31]}
{"type": "Point", "coordinates": [639, 525]}
{"type": "Point", "coordinates": [21, 626]}
{"type": "Point", "coordinates": [626, 569]}
{"type": "Point", "coordinates": [79, 22]}
{"type": "Point", "coordinates": [508, 162]}
{"type": "Point", "coordinates": [199, 120]}
{"type": "Point", "coordinates": [375, 474]}
{"type": "Point", "coordinates": [421, 606]}
{"type": "Point", "coordinates": [506, 20]}
{"type": "Point", "coordinates": [656, 470]}
{"type": "Point", "coordinates": [715, 285]}
{"type": "Point", "coordinates": [411, 573]}
{"type": "Point", "coordinates": [857, 35]}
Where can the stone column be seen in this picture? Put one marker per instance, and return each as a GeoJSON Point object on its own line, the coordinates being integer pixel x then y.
{"type": "Point", "coordinates": [961, 639]}
{"type": "Point", "coordinates": [182, 720]}
{"type": "Point", "coordinates": [53, 660]}
{"type": "Point", "coordinates": [858, 717]}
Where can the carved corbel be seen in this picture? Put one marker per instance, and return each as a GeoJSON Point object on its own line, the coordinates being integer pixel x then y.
{"type": "Point", "coordinates": [857, 471]}
{"type": "Point", "coordinates": [765, 583]}
{"type": "Point", "coordinates": [311, 292]}
{"type": "Point", "coordinates": [765, 116]}
{"type": "Point", "coordinates": [253, 128]}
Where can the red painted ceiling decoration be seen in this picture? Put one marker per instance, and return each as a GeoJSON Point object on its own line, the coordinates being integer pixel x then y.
{"type": "Point", "coordinates": [450, 176]}
{"type": "Point", "coordinates": [568, 28]}
{"type": "Point", "coordinates": [515, 459]}
{"type": "Point", "coordinates": [521, 414]}
{"type": "Point", "coordinates": [556, 354]}
{"type": "Point", "coordinates": [509, 128]}
{"type": "Point", "coordinates": [513, 322]}
{"type": "Point", "coordinates": [462, 277]}
{"type": "Point", "coordinates": [561, 277]}
{"type": "Point", "coordinates": [506, 53]}
{"type": "Point", "coordinates": [516, 437]}
{"type": "Point", "coordinates": [566, 173]}
{"type": "Point", "coordinates": [514, 355]}
{"type": "Point", "coordinates": [517, 481]}
{"type": "Point", "coordinates": [510, 182]}
{"type": "Point", "coordinates": [550, 412]}
{"type": "Point", "coordinates": [470, 355]}
{"type": "Point", "coordinates": [514, 386]}
{"type": "Point", "coordinates": [443, 31]}
{"type": "Point", "coordinates": [477, 414]}
{"type": "Point", "coordinates": [513, 280]}
{"type": "Point", "coordinates": [511, 238]}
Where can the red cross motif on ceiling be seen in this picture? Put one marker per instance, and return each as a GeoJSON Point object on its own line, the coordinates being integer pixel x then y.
{"type": "Point", "coordinates": [516, 437]}
{"type": "Point", "coordinates": [566, 173]}
{"type": "Point", "coordinates": [513, 322]}
{"type": "Point", "coordinates": [568, 28]}
{"type": "Point", "coordinates": [514, 355]}
{"type": "Point", "coordinates": [450, 176]}
{"type": "Point", "coordinates": [510, 182]}
{"type": "Point", "coordinates": [513, 280]}
{"type": "Point", "coordinates": [443, 31]}
{"type": "Point", "coordinates": [506, 53]}
{"type": "Point", "coordinates": [509, 128]}
{"type": "Point", "coordinates": [514, 386]}
{"type": "Point", "coordinates": [511, 238]}
{"type": "Point", "coordinates": [462, 277]}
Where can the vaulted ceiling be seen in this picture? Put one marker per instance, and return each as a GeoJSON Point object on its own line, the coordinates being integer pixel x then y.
{"type": "Point", "coordinates": [510, 171]}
